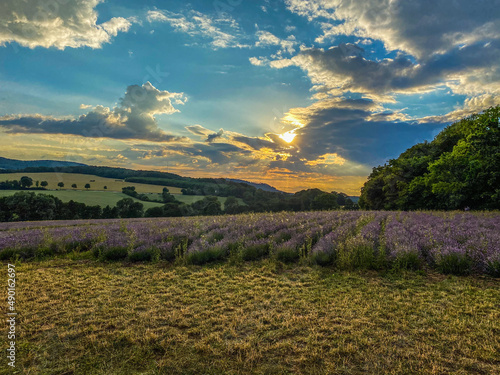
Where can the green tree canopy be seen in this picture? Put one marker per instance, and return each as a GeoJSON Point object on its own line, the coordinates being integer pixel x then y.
{"type": "Point", "coordinates": [459, 168]}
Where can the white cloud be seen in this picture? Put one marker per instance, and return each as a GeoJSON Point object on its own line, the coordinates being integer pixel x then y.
{"type": "Point", "coordinates": [58, 24]}
{"type": "Point", "coordinates": [265, 38]}
{"type": "Point", "coordinates": [222, 31]}
{"type": "Point", "coordinates": [420, 27]}
{"type": "Point", "coordinates": [256, 61]}
{"type": "Point", "coordinates": [451, 43]}
{"type": "Point", "coordinates": [133, 118]}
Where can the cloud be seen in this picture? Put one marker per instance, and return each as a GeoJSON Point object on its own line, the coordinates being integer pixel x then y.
{"type": "Point", "coordinates": [428, 45]}
{"type": "Point", "coordinates": [471, 105]}
{"type": "Point", "coordinates": [346, 68]}
{"type": "Point", "coordinates": [58, 24]}
{"type": "Point", "coordinates": [265, 38]}
{"type": "Point", "coordinates": [419, 28]}
{"type": "Point", "coordinates": [214, 136]}
{"type": "Point", "coordinates": [133, 118]}
{"type": "Point", "coordinates": [357, 131]}
{"type": "Point", "coordinates": [222, 31]}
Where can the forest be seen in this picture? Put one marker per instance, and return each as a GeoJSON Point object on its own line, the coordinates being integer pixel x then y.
{"type": "Point", "coordinates": [459, 169]}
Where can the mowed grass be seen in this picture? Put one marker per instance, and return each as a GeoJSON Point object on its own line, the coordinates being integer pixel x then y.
{"type": "Point", "coordinates": [81, 179]}
{"type": "Point", "coordinates": [92, 198]}
{"type": "Point", "coordinates": [85, 317]}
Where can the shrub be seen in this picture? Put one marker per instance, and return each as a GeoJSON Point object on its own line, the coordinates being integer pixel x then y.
{"type": "Point", "coordinates": [356, 253]}
{"type": "Point", "coordinates": [454, 263]}
{"type": "Point", "coordinates": [324, 259]}
{"type": "Point", "coordinates": [7, 254]}
{"type": "Point", "coordinates": [142, 255]}
{"type": "Point", "coordinates": [255, 250]}
{"type": "Point", "coordinates": [407, 261]}
{"type": "Point", "coordinates": [114, 253]}
{"type": "Point", "coordinates": [206, 256]}
{"type": "Point", "coordinates": [287, 254]}
{"type": "Point", "coordinates": [493, 268]}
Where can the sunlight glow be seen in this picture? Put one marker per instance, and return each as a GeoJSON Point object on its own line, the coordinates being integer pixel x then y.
{"type": "Point", "coordinates": [288, 136]}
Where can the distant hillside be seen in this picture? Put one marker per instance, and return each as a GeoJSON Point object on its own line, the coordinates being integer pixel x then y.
{"type": "Point", "coordinates": [264, 187]}
{"type": "Point", "coordinates": [12, 164]}
{"type": "Point", "coordinates": [354, 199]}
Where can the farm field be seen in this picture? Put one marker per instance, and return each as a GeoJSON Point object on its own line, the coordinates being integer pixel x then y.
{"type": "Point", "coordinates": [81, 179]}
{"type": "Point", "coordinates": [88, 317]}
{"type": "Point", "coordinates": [451, 243]}
{"type": "Point", "coordinates": [104, 198]}
{"type": "Point", "coordinates": [92, 198]}
{"type": "Point", "coordinates": [330, 292]}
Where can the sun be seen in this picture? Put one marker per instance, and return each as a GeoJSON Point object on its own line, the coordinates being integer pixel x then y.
{"type": "Point", "coordinates": [288, 136]}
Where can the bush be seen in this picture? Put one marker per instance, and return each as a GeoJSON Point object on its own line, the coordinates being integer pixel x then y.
{"type": "Point", "coordinates": [287, 255]}
{"type": "Point", "coordinates": [455, 264]}
{"type": "Point", "coordinates": [356, 253]}
{"type": "Point", "coordinates": [7, 254]}
{"type": "Point", "coordinates": [493, 268]}
{"type": "Point", "coordinates": [142, 255]}
{"type": "Point", "coordinates": [407, 261]}
{"type": "Point", "coordinates": [254, 251]}
{"type": "Point", "coordinates": [206, 256]}
{"type": "Point", "coordinates": [324, 259]}
{"type": "Point", "coordinates": [114, 253]}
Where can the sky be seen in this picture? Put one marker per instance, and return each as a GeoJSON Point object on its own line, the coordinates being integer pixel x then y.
{"type": "Point", "coordinates": [294, 93]}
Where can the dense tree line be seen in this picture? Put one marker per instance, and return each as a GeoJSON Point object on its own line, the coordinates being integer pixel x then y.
{"type": "Point", "coordinates": [459, 169]}
{"type": "Point", "coordinates": [28, 206]}
{"type": "Point", "coordinates": [24, 182]}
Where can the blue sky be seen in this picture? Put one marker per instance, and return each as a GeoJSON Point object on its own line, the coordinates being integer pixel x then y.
{"type": "Point", "coordinates": [298, 94]}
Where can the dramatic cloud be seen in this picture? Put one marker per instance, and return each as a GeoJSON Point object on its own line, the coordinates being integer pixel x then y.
{"type": "Point", "coordinates": [354, 131]}
{"type": "Point", "coordinates": [428, 45]}
{"type": "Point", "coordinates": [58, 24]}
{"type": "Point", "coordinates": [133, 118]}
{"type": "Point", "coordinates": [345, 68]}
{"type": "Point", "coordinates": [419, 28]}
{"type": "Point", "coordinates": [222, 32]}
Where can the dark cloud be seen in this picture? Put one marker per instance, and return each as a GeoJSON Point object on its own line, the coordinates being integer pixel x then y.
{"type": "Point", "coordinates": [213, 136]}
{"type": "Point", "coordinates": [360, 136]}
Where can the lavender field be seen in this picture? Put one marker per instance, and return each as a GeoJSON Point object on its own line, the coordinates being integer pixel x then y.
{"type": "Point", "coordinates": [452, 243]}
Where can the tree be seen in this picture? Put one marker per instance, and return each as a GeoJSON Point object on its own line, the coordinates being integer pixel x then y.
{"type": "Point", "coordinates": [105, 188]}
{"type": "Point", "coordinates": [74, 186]}
{"type": "Point", "coordinates": [207, 206]}
{"type": "Point", "coordinates": [37, 183]}
{"type": "Point", "coordinates": [109, 213]}
{"type": "Point", "coordinates": [127, 208]}
{"type": "Point", "coordinates": [60, 184]}
{"type": "Point", "coordinates": [167, 197]}
{"type": "Point", "coordinates": [44, 184]}
{"type": "Point", "coordinates": [87, 186]}
{"type": "Point", "coordinates": [232, 206]}
{"type": "Point", "coordinates": [325, 201]}
{"type": "Point", "coordinates": [459, 168]}
{"type": "Point", "coordinates": [154, 212]}
{"type": "Point", "coordinates": [26, 182]}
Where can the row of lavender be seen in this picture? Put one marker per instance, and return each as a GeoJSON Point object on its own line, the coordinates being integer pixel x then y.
{"type": "Point", "coordinates": [457, 243]}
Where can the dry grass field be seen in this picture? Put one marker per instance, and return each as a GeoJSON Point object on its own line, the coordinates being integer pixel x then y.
{"type": "Point", "coordinates": [87, 317]}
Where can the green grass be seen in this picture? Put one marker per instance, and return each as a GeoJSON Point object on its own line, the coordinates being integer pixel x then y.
{"type": "Point", "coordinates": [88, 317]}
{"type": "Point", "coordinates": [92, 198]}
{"type": "Point", "coordinates": [96, 183]}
